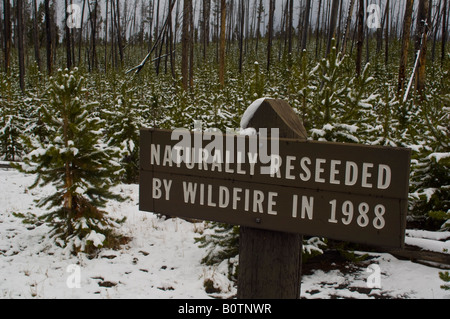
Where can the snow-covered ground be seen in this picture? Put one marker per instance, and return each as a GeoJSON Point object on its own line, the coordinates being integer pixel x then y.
{"type": "Point", "coordinates": [162, 260]}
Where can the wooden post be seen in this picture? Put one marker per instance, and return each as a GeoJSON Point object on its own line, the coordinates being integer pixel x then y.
{"type": "Point", "coordinates": [269, 261]}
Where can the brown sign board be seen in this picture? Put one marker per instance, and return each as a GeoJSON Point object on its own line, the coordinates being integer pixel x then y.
{"type": "Point", "coordinates": [340, 191]}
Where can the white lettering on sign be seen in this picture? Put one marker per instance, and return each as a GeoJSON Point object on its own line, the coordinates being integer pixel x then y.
{"type": "Point", "coordinates": [347, 211]}
{"type": "Point", "coordinates": [157, 191]}
{"type": "Point", "coordinates": [265, 202]}
{"type": "Point", "coordinates": [230, 198]}
{"type": "Point", "coordinates": [347, 173]}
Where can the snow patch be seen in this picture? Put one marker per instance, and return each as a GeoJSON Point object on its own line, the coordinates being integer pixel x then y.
{"type": "Point", "coordinates": [250, 112]}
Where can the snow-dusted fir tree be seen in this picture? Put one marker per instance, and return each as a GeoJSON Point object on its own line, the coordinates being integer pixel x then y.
{"type": "Point", "coordinates": [12, 121]}
{"type": "Point", "coordinates": [125, 118]}
{"type": "Point", "coordinates": [341, 100]}
{"type": "Point", "coordinates": [75, 159]}
{"type": "Point", "coordinates": [430, 132]}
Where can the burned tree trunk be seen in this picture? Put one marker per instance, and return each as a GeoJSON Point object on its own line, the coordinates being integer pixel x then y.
{"type": "Point", "coordinates": [360, 40]}
{"type": "Point", "coordinates": [421, 45]}
{"type": "Point", "coordinates": [48, 29]}
{"type": "Point", "coordinates": [8, 33]}
{"type": "Point", "coordinates": [405, 46]}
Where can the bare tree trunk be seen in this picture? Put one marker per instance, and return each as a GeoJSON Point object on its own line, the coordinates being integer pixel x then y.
{"type": "Point", "coordinates": [241, 34]}
{"type": "Point", "coordinates": [119, 32]}
{"type": "Point", "coordinates": [333, 23]}
{"type": "Point", "coordinates": [185, 44]}
{"type": "Point", "coordinates": [205, 27]}
{"type": "Point", "coordinates": [360, 41]}
{"type": "Point", "coordinates": [291, 17]}
{"type": "Point", "coordinates": [191, 46]}
{"type": "Point", "coordinates": [421, 45]}
{"type": "Point", "coordinates": [20, 38]}
{"type": "Point", "coordinates": [270, 33]}
{"type": "Point", "coordinates": [172, 58]}
{"type": "Point", "coordinates": [347, 26]}
{"type": "Point", "coordinates": [405, 45]}
{"type": "Point", "coordinates": [223, 17]}
{"type": "Point", "coordinates": [306, 25]}
{"type": "Point", "coordinates": [258, 27]}
{"type": "Point", "coordinates": [80, 36]}
{"type": "Point", "coordinates": [37, 54]}
{"type": "Point", "coordinates": [48, 29]}
{"type": "Point", "coordinates": [386, 35]}
{"type": "Point", "coordinates": [93, 19]}
{"type": "Point", "coordinates": [318, 29]}
{"type": "Point", "coordinates": [444, 31]}
{"type": "Point", "coordinates": [8, 33]}
{"type": "Point", "coordinates": [68, 38]}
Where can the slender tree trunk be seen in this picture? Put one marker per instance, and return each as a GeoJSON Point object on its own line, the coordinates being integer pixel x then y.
{"type": "Point", "coordinates": [290, 29]}
{"type": "Point", "coordinates": [386, 34]}
{"type": "Point", "coordinates": [405, 45]}
{"type": "Point", "coordinates": [48, 29]}
{"type": "Point", "coordinates": [270, 33]}
{"type": "Point", "coordinates": [37, 54]}
{"type": "Point", "coordinates": [333, 23]}
{"type": "Point", "coordinates": [172, 58]}
{"type": "Point", "coordinates": [318, 28]}
{"type": "Point", "coordinates": [8, 33]}
{"type": "Point", "coordinates": [106, 37]}
{"type": "Point", "coordinates": [205, 26]}
{"type": "Point", "coordinates": [347, 26]}
{"type": "Point", "coordinates": [185, 44]}
{"type": "Point", "coordinates": [421, 45]}
{"type": "Point", "coordinates": [241, 34]}
{"type": "Point", "coordinates": [67, 38]}
{"type": "Point", "coordinates": [191, 46]}
{"type": "Point", "coordinates": [306, 25]}
{"type": "Point", "coordinates": [258, 27]}
{"type": "Point", "coordinates": [444, 31]}
{"type": "Point", "coordinates": [360, 41]}
{"type": "Point", "coordinates": [339, 29]}
{"type": "Point", "coordinates": [223, 19]}
{"type": "Point", "coordinates": [80, 35]}
{"type": "Point", "coordinates": [119, 32]}
{"type": "Point", "coordinates": [20, 38]}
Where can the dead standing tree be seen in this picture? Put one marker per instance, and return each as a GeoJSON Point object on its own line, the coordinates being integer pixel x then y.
{"type": "Point", "coordinates": [185, 44]}
{"type": "Point", "coordinates": [360, 40]}
{"type": "Point", "coordinates": [223, 17]}
{"type": "Point", "coordinates": [20, 45]}
{"type": "Point", "coordinates": [7, 33]}
{"type": "Point", "coordinates": [405, 46]}
{"type": "Point", "coordinates": [270, 33]}
{"type": "Point", "coordinates": [421, 45]}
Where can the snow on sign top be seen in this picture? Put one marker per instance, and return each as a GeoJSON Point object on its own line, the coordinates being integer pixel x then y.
{"type": "Point", "coordinates": [250, 112]}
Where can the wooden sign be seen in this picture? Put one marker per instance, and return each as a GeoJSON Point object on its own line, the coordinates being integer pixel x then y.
{"type": "Point", "coordinates": [341, 191]}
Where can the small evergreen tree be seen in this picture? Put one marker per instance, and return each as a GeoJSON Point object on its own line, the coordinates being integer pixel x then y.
{"type": "Point", "coordinates": [445, 276]}
{"type": "Point", "coordinates": [125, 119]}
{"type": "Point", "coordinates": [12, 121]}
{"type": "Point", "coordinates": [75, 159]}
{"type": "Point", "coordinates": [430, 178]}
{"type": "Point", "coordinates": [221, 244]}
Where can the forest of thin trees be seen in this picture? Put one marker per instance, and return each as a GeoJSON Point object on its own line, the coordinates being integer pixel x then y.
{"type": "Point", "coordinates": [373, 72]}
{"type": "Point", "coordinates": [117, 34]}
